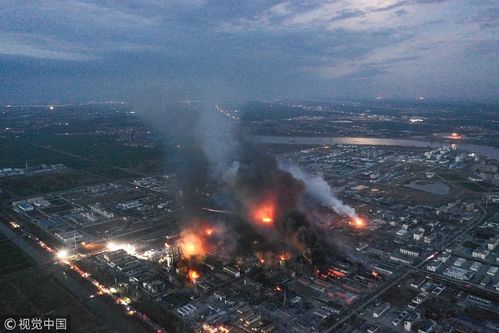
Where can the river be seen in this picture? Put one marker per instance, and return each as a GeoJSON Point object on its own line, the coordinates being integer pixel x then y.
{"type": "Point", "coordinates": [487, 151]}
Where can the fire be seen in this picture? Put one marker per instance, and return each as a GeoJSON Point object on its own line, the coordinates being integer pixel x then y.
{"type": "Point", "coordinates": [267, 219]}
{"type": "Point", "coordinates": [92, 246]}
{"type": "Point", "coordinates": [336, 273]}
{"type": "Point", "coordinates": [193, 275]}
{"type": "Point", "coordinates": [358, 223]}
{"type": "Point", "coordinates": [215, 329]}
{"type": "Point", "coordinates": [208, 231]}
{"type": "Point", "coordinates": [284, 257]}
{"type": "Point", "coordinates": [191, 245]}
{"type": "Point", "coordinates": [264, 214]}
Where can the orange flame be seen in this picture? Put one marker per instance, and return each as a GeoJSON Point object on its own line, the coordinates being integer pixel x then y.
{"type": "Point", "coordinates": [209, 231]}
{"type": "Point", "coordinates": [264, 214]}
{"type": "Point", "coordinates": [215, 329]}
{"type": "Point", "coordinates": [267, 220]}
{"type": "Point", "coordinates": [193, 275]}
{"type": "Point", "coordinates": [358, 223]}
{"type": "Point", "coordinates": [284, 257]}
{"type": "Point", "coordinates": [191, 245]}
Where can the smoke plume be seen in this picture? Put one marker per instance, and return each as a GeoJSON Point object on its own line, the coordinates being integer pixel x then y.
{"type": "Point", "coordinates": [206, 148]}
{"type": "Point", "coordinates": [319, 189]}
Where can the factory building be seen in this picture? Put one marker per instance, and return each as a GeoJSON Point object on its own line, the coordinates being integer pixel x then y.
{"type": "Point", "coordinates": [459, 273]}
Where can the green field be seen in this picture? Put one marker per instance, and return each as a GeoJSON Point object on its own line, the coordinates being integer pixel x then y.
{"type": "Point", "coordinates": [470, 186]}
{"type": "Point", "coordinates": [12, 258]}
{"type": "Point", "coordinates": [452, 177]}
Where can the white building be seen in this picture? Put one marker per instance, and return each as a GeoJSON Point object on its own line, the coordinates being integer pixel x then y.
{"type": "Point", "coordinates": [418, 235]}
{"type": "Point", "coordinates": [459, 273]}
{"type": "Point", "coordinates": [434, 265]}
{"type": "Point", "coordinates": [409, 251]}
{"type": "Point", "coordinates": [69, 237]}
{"type": "Point", "coordinates": [411, 320]}
{"type": "Point", "coordinates": [493, 243]}
{"type": "Point", "coordinates": [480, 253]}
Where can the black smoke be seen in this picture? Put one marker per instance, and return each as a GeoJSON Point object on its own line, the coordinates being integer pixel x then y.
{"type": "Point", "coordinates": [204, 148]}
{"type": "Point", "coordinates": [295, 225]}
{"type": "Point", "coordinates": [257, 179]}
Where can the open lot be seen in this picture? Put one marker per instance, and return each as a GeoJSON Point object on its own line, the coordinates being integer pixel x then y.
{"type": "Point", "coordinates": [12, 259]}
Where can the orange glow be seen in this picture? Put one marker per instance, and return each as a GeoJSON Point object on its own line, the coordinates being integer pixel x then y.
{"type": "Point", "coordinates": [193, 275]}
{"type": "Point", "coordinates": [267, 220]}
{"type": "Point", "coordinates": [454, 136]}
{"type": "Point", "coordinates": [265, 213]}
{"type": "Point", "coordinates": [191, 245]}
{"type": "Point", "coordinates": [92, 246]}
{"type": "Point", "coordinates": [375, 274]}
{"type": "Point", "coordinates": [284, 257]}
{"type": "Point", "coordinates": [358, 223]}
{"type": "Point", "coordinates": [336, 273]}
{"type": "Point", "coordinates": [215, 329]}
{"type": "Point", "coordinates": [208, 231]}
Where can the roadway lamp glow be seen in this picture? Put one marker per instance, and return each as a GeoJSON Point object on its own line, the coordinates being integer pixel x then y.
{"type": "Point", "coordinates": [62, 254]}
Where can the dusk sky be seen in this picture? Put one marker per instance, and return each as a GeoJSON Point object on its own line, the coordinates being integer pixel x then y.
{"type": "Point", "coordinates": [79, 51]}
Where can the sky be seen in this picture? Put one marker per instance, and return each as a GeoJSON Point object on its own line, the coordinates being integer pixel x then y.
{"type": "Point", "coordinates": [102, 50]}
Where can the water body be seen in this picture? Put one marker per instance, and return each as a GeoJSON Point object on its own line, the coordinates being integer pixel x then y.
{"type": "Point", "coordinates": [432, 187]}
{"type": "Point", "coordinates": [487, 151]}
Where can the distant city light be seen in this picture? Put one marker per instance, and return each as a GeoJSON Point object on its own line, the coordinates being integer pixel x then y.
{"type": "Point", "coordinates": [416, 120]}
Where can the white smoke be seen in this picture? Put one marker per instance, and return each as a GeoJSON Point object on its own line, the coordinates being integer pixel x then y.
{"type": "Point", "coordinates": [229, 175]}
{"type": "Point", "coordinates": [319, 189]}
{"type": "Point", "coordinates": [216, 135]}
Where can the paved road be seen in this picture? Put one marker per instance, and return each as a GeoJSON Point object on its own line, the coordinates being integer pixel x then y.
{"type": "Point", "coordinates": [100, 308]}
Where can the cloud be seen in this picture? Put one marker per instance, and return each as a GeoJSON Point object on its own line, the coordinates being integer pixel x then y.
{"type": "Point", "coordinates": [38, 46]}
{"type": "Point", "coordinates": [261, 48]}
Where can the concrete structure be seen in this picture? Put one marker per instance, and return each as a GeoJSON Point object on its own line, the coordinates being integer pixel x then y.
{"type": "Point", "coordinates": [411, 320]}
{"type": "Point", "coordinates": [380, 309]}
{"type": "Point", "coordinates": [459, 273]}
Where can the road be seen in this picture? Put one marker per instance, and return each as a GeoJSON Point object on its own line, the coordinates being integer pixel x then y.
{"type": "Point", "coordinates": [99, 307]}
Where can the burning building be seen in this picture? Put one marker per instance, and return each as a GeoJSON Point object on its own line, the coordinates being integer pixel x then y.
{"type": "Point", "coordinates": [265, 198]}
